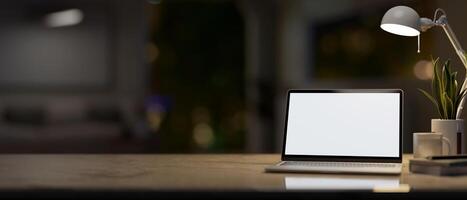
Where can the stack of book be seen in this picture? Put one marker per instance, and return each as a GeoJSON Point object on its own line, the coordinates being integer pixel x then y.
{"type": "Point", "coordinates": [442, 167]}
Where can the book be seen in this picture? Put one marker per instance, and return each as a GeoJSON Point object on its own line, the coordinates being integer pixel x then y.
{"type": "Point", "coordinates": [444, 167]}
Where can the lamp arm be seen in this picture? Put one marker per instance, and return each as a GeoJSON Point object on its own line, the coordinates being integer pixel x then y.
{"type": "Point", "coordinates": [442, 21]}
{"type": "Point", "coordinates": [455, 43]}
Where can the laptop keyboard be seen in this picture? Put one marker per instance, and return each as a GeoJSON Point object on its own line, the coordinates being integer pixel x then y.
{"type": "Point", "coordinates": [336, 164]}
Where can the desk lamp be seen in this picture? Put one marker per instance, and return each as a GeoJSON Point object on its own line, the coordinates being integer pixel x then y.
{"type": "Point", "coordinates": [405, 21]}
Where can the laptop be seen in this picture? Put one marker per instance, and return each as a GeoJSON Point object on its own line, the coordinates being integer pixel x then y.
{"type": "Point", "coordinates": [342, 131]}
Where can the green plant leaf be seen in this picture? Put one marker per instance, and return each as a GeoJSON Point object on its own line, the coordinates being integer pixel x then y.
{"type": "Point", "coordinates": [446, 95]}
{"type": "Point", "coordinates": [454, 92]}
{"type": "Point", "coordinates": [450, 114]}
{"type": "Point", "coordinates": [444, 110]}
{"type": "Point", "coordinates": [435, 81]}
{"type": "Point", "coordinates": [436, 87]}
{"type": "Point", "coordinates": [431, 98]}
{"type": "Point", "coordinates": [445, 78]}
{"type": "Point", "coordinates": [454, 84]}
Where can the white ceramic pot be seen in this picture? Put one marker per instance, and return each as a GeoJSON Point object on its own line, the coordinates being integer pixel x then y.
{"type": "Point", "coordinates": [450, 128]}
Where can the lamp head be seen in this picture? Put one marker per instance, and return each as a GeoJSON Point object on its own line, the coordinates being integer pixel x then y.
{"type": "Point", "coordinates": [401, 20]}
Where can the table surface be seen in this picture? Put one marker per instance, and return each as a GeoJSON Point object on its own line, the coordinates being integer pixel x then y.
{"type": "Point", "coordinates": [172, 172]}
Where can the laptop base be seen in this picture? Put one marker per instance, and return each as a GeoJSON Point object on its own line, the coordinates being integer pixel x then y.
{"type": "Point", "coordinates": [335, 168]}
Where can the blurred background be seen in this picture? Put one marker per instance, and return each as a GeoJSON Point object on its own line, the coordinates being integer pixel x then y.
{"type": "Point", "coordinates": [198, 76]}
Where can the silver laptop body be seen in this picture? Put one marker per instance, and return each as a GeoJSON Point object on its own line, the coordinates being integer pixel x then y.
{"type": "Point", "coordinates": [342, 131]}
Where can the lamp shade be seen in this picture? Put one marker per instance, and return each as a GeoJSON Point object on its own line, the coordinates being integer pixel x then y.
{"type": "Point", "coordinates": [401, 20]}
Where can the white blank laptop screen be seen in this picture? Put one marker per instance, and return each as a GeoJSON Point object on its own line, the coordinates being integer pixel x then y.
{"type": "Point", "coordinates": [343, 124]}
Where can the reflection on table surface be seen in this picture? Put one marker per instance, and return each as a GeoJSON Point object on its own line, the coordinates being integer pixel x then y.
{"type": "Point", "coordinates": [377, 183]}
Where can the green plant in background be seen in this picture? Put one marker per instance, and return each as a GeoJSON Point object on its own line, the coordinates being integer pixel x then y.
{"type": "Point", "coordinates": [446, 95]}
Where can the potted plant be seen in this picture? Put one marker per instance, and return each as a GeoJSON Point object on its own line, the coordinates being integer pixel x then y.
{"type": "Point", "coordinates": [446, 96]}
